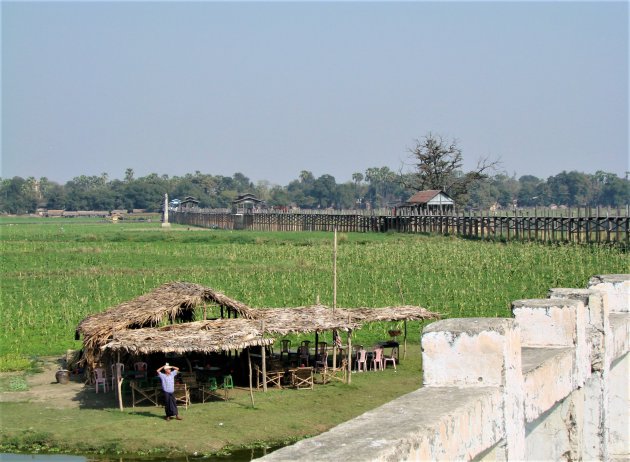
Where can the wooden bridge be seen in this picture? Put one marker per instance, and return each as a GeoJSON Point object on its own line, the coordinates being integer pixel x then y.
{"type": "Point", "coordinates": [583, 228]}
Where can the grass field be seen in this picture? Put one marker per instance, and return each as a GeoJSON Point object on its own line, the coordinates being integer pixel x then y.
{"type": "Point", "coordinates": [54, 272]}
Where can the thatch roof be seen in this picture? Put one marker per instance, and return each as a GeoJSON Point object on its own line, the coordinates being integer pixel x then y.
{"type": "Point", "coordinates": [390, 313]}
{"type": "Point", "coordinates": [167, 302]}
{"type": "Point", "coordinates": [228, 334]}
{"type": "Point", "coordinates": [349, 318]}
{"type": "Point", "coordinates": [303, 319]}
{"type": "Point", "coordinates": [132, 325]}
{"type": "Point", "coordinates": [202, 336]}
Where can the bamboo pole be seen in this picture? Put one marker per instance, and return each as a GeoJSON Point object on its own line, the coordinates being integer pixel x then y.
{"type": "Point", "coordinates": [249, 363]}
{"type": "Point", "coordinates": [119, 383]}
{"type": "Point", "coordinates": [402, 299]}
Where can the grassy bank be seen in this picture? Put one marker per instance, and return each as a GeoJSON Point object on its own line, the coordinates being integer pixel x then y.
{"type": "Point", "coordinates": [279, 417]}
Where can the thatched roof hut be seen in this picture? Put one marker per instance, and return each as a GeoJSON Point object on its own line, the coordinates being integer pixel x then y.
{"type": "Point", "coordinates": [166, 303]}
{"type": "Point", "coordinates": [226, 334]}
{"type": "Point", "coordinates": [133, 326]}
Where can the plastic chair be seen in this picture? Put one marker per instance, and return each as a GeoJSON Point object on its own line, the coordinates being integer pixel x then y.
{"type": "Point", "coordinates": [286, 344]}
{"type": "Point", "coordinates": [100, 380]}
{"type": "Point", "coordinates": [140, 369]}
{"type": "Point", "coordinates": [304, 355]}
{"type": "Point", "coordinates": [209, 389]}
{"type": "Point", "coordinates": [391, 358]}
{"type": "Point", "coordinates": [321, 361]}
{"type": "Point", "coordinates": [120, 367]}
{"type": "Point", "coordinates": [227, 384]}
{"type": "Point", "coordinates": [361, 360]}
{"type": "Point", "coordinates": [377, 359]}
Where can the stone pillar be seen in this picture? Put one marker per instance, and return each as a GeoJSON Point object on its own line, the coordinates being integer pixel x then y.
{"type": "Point", "coordinates": [617, 288]}
{"type": "Point", "coordinates": [555, 329]}
{"type": "Point", "coordinates": [165, 223]}
{"type": "Point", "coordinates": [555, 323]}
{"type": "Point", "coordinates": [595, 423]}
{"type": "Point", "coordinates": [480, 352]}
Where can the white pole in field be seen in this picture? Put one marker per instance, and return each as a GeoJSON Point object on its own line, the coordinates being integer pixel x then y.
{"type": "Point", "coordinates": [165, 223]}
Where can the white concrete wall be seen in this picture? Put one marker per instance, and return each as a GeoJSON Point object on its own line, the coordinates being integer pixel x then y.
{"type": "Point", "coordinates": [552, 383]}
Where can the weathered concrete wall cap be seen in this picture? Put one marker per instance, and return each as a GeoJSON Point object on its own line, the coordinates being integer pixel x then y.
{"type": "Point", "coordinates": [576, 294]}
{"type": "Point", "coordinates": [545, 303]}
{"type": "Point", "coordinates": [471, 326]}
{"type": "Point", "coordinates": [609, 278]}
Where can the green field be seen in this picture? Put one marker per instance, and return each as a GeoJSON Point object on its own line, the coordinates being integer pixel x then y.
{"type": "Point", "coordinates": [57, 271]}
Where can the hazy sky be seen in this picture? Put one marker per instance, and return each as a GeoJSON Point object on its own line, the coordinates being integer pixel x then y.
{"type": "Point", "coordinates": [270, 89]}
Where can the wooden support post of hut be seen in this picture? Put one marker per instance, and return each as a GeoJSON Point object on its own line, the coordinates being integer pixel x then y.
{"type": "Point", "coordinates": [119, 382]}
{"type": "Point", "coordinates": [405, 340]}
{"type": "Point", "coordinates": [263, 359]}
{"type": "Point", "coordinates": [349, 355]}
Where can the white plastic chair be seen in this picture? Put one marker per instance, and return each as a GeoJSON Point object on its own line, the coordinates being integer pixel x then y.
{"type": "Point", "coordinates": [120, 367]}
{"type": "Point", "coordinates": [100, 380]}
{"type": "Point", "coordinates": [361, 360]}
{"type": "Point", "coordinates": [391, 358]}
{"type": "Point", "coordinates": [377, 359]}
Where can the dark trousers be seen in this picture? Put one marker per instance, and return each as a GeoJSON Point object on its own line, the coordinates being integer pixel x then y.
{"type": "Point", "coordinates": [170, 404]}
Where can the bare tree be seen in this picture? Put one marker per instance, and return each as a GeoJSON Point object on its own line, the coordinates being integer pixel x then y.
{"type": "Point", "coordinates": [439, 166]}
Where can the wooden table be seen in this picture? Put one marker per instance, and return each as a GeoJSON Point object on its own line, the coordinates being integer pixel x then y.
{"type": "Point", "coordinates": [145, 394]}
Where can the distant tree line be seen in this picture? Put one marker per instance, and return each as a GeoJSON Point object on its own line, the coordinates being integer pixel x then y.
{"type": "Point", "coordinates": [437, 165]}
{"type": "Point", "coordinates": [374, 188]}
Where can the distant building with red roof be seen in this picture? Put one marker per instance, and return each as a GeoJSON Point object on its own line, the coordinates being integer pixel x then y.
{"type": "Point", "coordinates": [430, 201]}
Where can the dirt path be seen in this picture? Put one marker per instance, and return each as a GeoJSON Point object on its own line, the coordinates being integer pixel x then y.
{"type": "Point", "coordinates": [43, 387]}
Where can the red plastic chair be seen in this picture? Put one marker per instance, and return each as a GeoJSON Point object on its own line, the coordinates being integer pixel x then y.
{"type": "Point", "coordinates": [140, 369]}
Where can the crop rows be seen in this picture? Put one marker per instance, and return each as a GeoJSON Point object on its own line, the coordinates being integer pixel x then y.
{"type": "Point", "coordinates": [56, 272]}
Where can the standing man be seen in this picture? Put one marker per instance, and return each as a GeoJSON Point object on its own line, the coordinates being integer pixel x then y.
{"type": "Point", "coordinates": [168, 385]}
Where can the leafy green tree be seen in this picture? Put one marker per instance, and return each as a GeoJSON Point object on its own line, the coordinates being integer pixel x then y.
{"type": "Point", "coordinates": [613, 190]}
{"type": "Point", "coordinates": [383, 184]}
{"type": "Point", "coordinates": [279, 196]}
{"type": "Point", "coordinates": [18, 196]}
{"type": "Point", "coordinates": [438, 165]}
{"type": "Point", "coordinates": [324, 191]}
{"type": "Point", "coordinates": [530, 191]}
